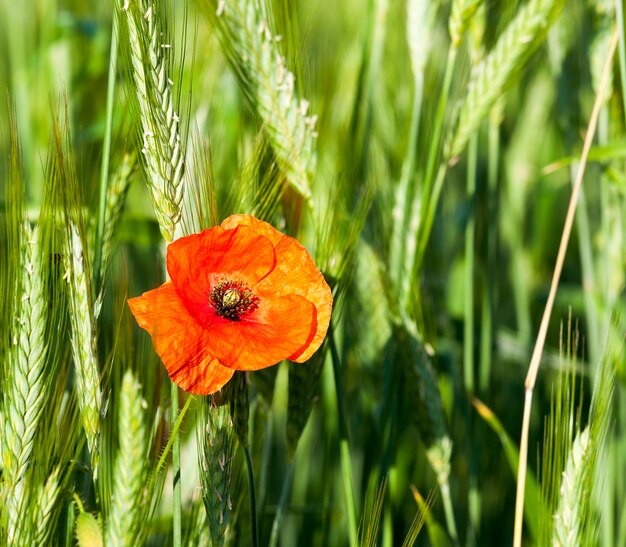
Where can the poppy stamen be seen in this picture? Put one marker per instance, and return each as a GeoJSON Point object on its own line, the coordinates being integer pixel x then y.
{"type": "Point", "coordinates": [231, 299]}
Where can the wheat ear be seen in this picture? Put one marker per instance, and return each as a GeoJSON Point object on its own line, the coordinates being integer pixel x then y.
{"type": "Point", "coordinates": [423, 392]}
{"type": "Point", "coordinates": [130, 466]}
{"type": "Point", "coordinates": [84, 342]}
{"type": "Point", "coordinates": [115, 200]}
{"type": "Point", "coordinates": [567, 519]}
{"type": "Point", "coordinates": [240, 406]}
{"type": "Point", "coordinates": [216, 438]}
{"type": "Point", "coordinates": [47, 497]}
{"type": "Point", "coordinates": [460, 16]}
{"type": "Point", "coordinates": [490, 78]}
{"type": "Point", "coordinates": [161, 144]}
{"type": "Point", "coordinates": [25, 392]}
{"type": "Point", "coordinates": [535, 361]}
{"type": "Point", "coordinates": [261, 68]}
{"type": "Point", "coordinates": [303, 391]}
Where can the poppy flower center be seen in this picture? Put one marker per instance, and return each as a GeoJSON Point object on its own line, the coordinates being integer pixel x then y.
{"type": "Point", "coordinates": [231, 299]}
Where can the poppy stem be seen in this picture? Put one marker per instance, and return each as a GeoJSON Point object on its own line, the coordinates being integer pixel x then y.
{"type": "Point", "coordinates": [253, 519]}
{"type": "Point", "coordinates": [344, 443]}
{"type": "Point", "coordinates": [173, 434]}
{"type": "Point", "coordinates": [170, 441]}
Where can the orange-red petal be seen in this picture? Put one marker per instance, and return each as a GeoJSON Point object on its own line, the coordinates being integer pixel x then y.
{"type": "Point", "coordinates": [196, 263]}
{"type": "Point", "coordinates": [295, 273]}
{"type": "Point", "coordinates": [272, 333]}
{"type": "Point", "coordinates": [201, 349]}
{"type": "Point", "coordinates": [179, 340]}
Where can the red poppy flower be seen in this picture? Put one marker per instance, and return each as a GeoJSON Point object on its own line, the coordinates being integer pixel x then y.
{"type": "Point", "coordinates": [242, 296]}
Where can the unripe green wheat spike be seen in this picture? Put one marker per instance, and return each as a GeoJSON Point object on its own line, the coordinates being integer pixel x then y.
{"type": "Point", "coordinates": [161, 145]}
{"type": "Point", "coordinates": [257, 61]}
{"type": "Point", "coordinates": [216, 439]}
{"type": "Point", "coordinates": [25, 392]}
{"type": "Point", "coordinates": [304, 382]}
{"type": "Point", "coordinates": [460, 16]}
{"type": "Point", "coordinates": [115, 200]}
{"type": "Point", "coordinates": [423, 392]}
{"type": "Point", "coordinates": [568, 520]}
{"type": "Point", "coordinates": [491, 77]}
{"type": "Point", "coordinates": [47, 498]}
{"type": "Point", "coordinates": [84, 340]}
{"type": "Point", "coordinates": [239, 406]}
{"type": "Point", "coordinates": [131, 467]}
{"type": "Point", "coordinates": [428, 411]}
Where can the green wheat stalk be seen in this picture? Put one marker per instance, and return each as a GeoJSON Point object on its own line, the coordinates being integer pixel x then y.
{"type": "Point", "coordinates": [369, 527]}
{"type": "Point", "coordinates": [403, 241]}
{"type": "Point", "coordinates": [568, 519]}
{"type": "Point", "coordinates": [428, 411]}
{"type": "Point", "coordinates": [127, 497]}
{"type": "Point", "coordinates": [488, 82]}
{"type": "Point", "coordinates": [84, 341]}
{"type": "Point", "coordinates": [163, 156]}
{"type": "Point", "coordinates": [199, 206]}
{"type": "Point", "coordinates": [460, 16]}
{"type": "Point", "coordinates": [304, 390]}
{"type": "Point", "coordinates": [600, 45]}
{"type": "Point", "coordinates": [12, 246]}
{"type": "Point", "coordinates": [238, 394]}
{"type": "Point", "coordinates": [25, 393]}
{"type": "Point", "coordinates": [116, 193]}
{"type": "Point", "coordinates": [47, 498]}
{"type": "Point", "coordinates": [572, 456]}
{"type": "Point", "coordinates": [423, 392]}
{"type": "Point", "coordinates": [490, 78]}
{"type": "Point", "coordinates": [255, 55]}
{"type": "Point", "coordinates": [217, 442]}
{"type": "Point", "coordinates": [197, 533]}
{"type": "Point", "coordinates": [33, 382]}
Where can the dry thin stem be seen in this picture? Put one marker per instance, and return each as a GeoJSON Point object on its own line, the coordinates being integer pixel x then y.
{"type": "Point", "coordinates": [535, 361]}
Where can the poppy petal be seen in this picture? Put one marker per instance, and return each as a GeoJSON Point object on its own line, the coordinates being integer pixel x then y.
{"type": "Point", "coordinates": [197, 262]}
{"type": "Point", "coordinates": [295, 273]}
{"type": "Point", "coordinates": [179, 340]}
{"type": "Point", "coordinates": [270, 334]}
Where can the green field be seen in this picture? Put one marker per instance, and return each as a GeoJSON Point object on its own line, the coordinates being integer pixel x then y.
{"type": "Point", "coordinates": [456, 170]}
